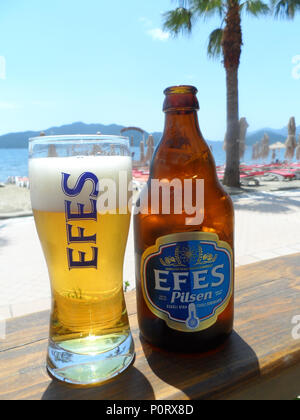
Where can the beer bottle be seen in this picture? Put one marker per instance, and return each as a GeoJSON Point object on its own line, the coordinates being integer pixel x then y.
{"type": "Point", "coordinates": [184, 248]}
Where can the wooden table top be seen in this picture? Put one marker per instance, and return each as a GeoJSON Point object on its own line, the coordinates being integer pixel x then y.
{"type": "Point", "coordinates": [267, 299]}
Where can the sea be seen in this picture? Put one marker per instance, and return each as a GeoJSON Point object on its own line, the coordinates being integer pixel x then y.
{"type": "Point", "coordinates": [14, 162]}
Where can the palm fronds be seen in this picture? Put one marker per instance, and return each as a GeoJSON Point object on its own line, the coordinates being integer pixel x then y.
{"type": "Point", "coordinates": [214, 49]}
{"type": "Point", "coordinates": [285, 8]}
{"type": "Point", "coordinates": [178, 20]}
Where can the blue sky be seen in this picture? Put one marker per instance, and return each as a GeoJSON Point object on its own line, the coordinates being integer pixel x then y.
{"type": "Point", "coordinates": [108, 62]}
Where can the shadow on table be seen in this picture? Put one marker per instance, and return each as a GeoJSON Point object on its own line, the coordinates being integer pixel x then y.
{"type": "Point", "coordinates": [131, 385]}
{"type": "Point", "coordinates": [208, 375]}
{"type": "Point", "coordinates": [268, 203]}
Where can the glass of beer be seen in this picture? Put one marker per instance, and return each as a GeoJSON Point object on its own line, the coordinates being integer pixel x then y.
{"type": "Point", "coordinates": [80, 194]}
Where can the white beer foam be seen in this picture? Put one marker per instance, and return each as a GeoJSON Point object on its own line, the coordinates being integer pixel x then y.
{"type": "Point", "coordinates": [45, 176]}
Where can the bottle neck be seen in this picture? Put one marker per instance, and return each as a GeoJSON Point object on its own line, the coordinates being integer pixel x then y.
{"type": "Point", "coordinates": [182, 148]}
{"type": "Point", "coordinates": [182, 126]}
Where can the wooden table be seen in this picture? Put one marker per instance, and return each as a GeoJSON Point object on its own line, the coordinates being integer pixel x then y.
{"type": "Point", "coordinates": [261, 359]}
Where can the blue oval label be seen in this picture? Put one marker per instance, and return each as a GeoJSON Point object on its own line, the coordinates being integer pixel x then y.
{"type": "Point", "coordinates": [187, 279]}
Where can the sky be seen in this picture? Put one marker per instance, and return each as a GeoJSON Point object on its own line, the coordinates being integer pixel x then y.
{"type": "Point", "coordinates": [108, 62]}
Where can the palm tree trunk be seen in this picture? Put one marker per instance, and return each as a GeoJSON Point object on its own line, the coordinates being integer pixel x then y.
{"type": "Point", "coordinates": [232, 171]}
{"type": "Point", "coordinates": [232, 45]}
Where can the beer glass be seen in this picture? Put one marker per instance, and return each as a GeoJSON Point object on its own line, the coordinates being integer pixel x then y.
{"type": "Point", "coordinates": [79, 192]}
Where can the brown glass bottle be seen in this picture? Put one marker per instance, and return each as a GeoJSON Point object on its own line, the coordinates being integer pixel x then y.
{"type": "Point", "coordinates": [184, 270]}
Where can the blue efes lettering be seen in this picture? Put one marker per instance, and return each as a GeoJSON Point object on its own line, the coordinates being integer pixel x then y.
{"type": "Point", "coordinates": [86, 176]}
{"type": "Point", "coordinates": [82, 214]}
{"type": "Point", "coordinates": [80, 238]}
{"type": "Point", "coordinates": [83, 263]}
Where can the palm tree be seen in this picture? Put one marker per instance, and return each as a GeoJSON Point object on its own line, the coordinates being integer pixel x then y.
{"type": "Point", "coordinates": [285, 8]}
{"type": "Point", "coordinates": [225, 41]}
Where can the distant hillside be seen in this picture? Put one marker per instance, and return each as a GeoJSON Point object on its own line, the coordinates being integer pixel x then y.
{"type": "Point", "coordinates": [275, 135]}
{"type": "Point", "coordinates": [20, 140]}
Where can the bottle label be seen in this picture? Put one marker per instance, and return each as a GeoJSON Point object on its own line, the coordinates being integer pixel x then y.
{"type": "Point", "coordinates": [187, 279]}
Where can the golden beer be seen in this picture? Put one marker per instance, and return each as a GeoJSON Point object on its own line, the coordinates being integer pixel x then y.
{"type": "Point", "coordinates": [89, 303]}
{"type": "Point", "coordinates": [84, 246]}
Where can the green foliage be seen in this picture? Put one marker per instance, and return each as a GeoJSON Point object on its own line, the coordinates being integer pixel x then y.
{"type": "Point", "coordinates": [255, 7]}
{"type": "Point", "coordinates": [214, 49]}
{"type": "Point", "coordinates": [285, 8]}
{"type": "Point", "coordinates": [183, 18]}
{"type": "Point", "coordinates": [207, 8]}
{"type": "Point", "coordinates": [178, 20]}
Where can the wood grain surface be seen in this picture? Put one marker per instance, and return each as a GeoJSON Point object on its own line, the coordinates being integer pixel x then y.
{"type": "Point", "coordinates": [262, 346]}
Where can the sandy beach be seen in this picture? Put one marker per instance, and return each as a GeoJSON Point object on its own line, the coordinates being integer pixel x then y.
{"type": "Point", "coordinates": [267, 226]}
{"type": "Point", "coordinates": [14, 201]}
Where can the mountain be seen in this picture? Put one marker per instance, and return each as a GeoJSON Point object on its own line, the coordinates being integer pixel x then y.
{"type": "Point", "coordinates": [20, 140]}
{"type": "Point", "coordinates": [274, 134]}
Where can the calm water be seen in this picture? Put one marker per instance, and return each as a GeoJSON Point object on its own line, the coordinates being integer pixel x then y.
{"type": "Point", "coordinates": [14, 162]}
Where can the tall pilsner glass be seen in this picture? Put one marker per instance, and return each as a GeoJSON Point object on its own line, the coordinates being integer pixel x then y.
{"type": "Point", "coordinates": [79, 186]}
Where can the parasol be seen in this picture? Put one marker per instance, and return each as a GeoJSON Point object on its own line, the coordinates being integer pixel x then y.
{"type": "Point", "coordinates": [291, 142]}
{"type": "Point", "coordinates": [277, 146]}
{"type": "Point", "coordinates": [242, 138]}
{"type": "Point", "coordinates": [265, 146]}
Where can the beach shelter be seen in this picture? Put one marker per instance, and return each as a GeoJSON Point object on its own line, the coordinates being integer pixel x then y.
{"type": "Point", "coordinates": [255, 151]}
{"type": "Point", "coordinates": [142, 151]}
{"type": "Point", "coordinates": [298, 150]}
{"type": "Point", "coordinates": [259, 150]}
{"type": "Point", "coordinates": [291, 142]}
{"type": "Point", "coordinates": [265, 146]}
{"type": "Point", "coordinates": [242, 138]}
{"type": "Point", "coordinates": [150, 148]}
{"type": "Point", "coordinates": [277, 146]}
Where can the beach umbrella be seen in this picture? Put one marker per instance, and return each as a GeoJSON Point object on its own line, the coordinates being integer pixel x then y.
{"type": "Point", "coordinates": [52, 151]}
{"type": "Point", "coordinates": [277, 146]}
{"type": "Point", "coordinates": [150, 148]}
{"type": "Point", "coordinates": [242, 139]}
{"type": "Point", "coordinates": [255, 151]}
{"type": "Point", "coordinates": [259, 150]}
{"type": "Point", "coordinates": [265, 144]}
{"type": "Point", "coordinates": [142, 150]}
{"type": "Point", "coordinates": [298, 150]}
{"type": "Point", "coordinates": [291, 142]}
{"type": "Point", "coordinates": [225, 142]}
